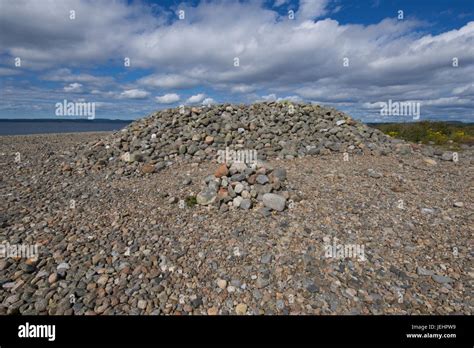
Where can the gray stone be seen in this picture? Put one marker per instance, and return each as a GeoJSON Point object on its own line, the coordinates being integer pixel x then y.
{"type": "Point", "coordinates": [238, 188]}
{"type": "Point", "coordinates": [206, 197]}
{"type": "Point", "coordinates": [63, 266]}
{"type": "Point", "coordinates": [373, 174]}
{"type": "Point", "coordinates": [262, 179]}
{"type": "Point", "coordinates": [192, 149]}
{"type": "Point", "coordinates": [441, 279]}
{"type": "Point", "coordinates": [265, 259]}
{"type": "Point", "coordinates": [447, 156]}
{"type": "Point", "coordinates": [279, 173]}
{"type": "Point", "coordinates": [246, 204]}
{"type": "Point", "coordinates": [423, 271]}
{"type": "Point", "coordinates": [41, 304]}
{"type": "Point", "coordinates": [274, 201]}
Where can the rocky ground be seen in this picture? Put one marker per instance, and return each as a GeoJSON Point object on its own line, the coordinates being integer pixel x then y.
{"type": "Point", "coordinates": [118, 244]}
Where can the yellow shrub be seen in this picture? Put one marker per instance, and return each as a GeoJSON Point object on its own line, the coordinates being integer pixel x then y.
{"type": "Point", "coordinates": [393, 134]}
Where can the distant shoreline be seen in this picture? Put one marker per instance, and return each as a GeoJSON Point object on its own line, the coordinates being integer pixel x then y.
{"type": "Point", "coordinates": [53, 126]}
{"type": "Point", "coordinates": [104, 120]}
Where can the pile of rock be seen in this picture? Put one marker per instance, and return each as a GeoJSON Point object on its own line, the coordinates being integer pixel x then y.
{"type": "Point", "coordinates": [195, 134]}
{"type": "Point", "coordinates": [243, 186]}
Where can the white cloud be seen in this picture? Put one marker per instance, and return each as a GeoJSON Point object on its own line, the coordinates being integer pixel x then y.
{"type": "Point", "coordinates": [270, 97]}
{"type": "Point", "coordinates": [208, 101]}
{"type": "Point", "coordinates": [168, 98]}
{"type": "Point", "coordinates": [73, 88]}
{"type": "Point", "coordinates": [310, 9]}
{"type": "Point", "coordinates": [134, 94]}
{"type": "Point", "coordinates": [168, 81]}
{"type": "Point", "coordinates": [195, 98]}
{"type": "Point", "coordinates": [66, 75]}
{"type": "Point", "coordinates": [242, 89]}
{"type": "Point", "coordinates": [279, 3]}
{"type": "Point", "coordinates": [8, 72]}
{"type": "Point", "coordinates": [291, 98]}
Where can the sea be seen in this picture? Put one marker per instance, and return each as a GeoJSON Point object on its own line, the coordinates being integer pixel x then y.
{"type": "Point", "coordinates": [27, 126]}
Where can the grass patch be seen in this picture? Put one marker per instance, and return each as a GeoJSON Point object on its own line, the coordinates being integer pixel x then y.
{"type": "Point", "coordinates": [190, 201]}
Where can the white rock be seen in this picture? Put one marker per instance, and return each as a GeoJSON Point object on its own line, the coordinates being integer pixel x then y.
{"type": "Point", "coordinates": [237, 200]}
{"type": "Point", "coordinates": [239, 188]}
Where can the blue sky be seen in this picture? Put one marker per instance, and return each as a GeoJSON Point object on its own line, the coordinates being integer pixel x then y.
{"type": "Point", "coordinates": [352, 55]}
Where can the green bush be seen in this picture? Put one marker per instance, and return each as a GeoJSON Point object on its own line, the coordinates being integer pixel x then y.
{"type": "Point", "coordinates": [439, 133]}
{"type": "Point", "coordinates": [191, 201]}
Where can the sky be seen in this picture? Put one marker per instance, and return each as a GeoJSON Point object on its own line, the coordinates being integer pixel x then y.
{"type": "Point", "coordinates": [131, 58]}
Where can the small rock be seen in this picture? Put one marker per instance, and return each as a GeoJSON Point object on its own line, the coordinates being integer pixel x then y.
{"type": "Point", "coordinates": [266, 258]}
{"type": "Point", "coordinates": [441, 279]}
{"type": "Point", "coordinates": [4, 265]}
{"type": "Point", "coordinates": [148, 168]}
{"type": "Point", "coordinates": [221, 283]}
{"type": "Point", "coordinates": [102, 280]}
{"type": "Point", "coordinates": [423, 271]}
{"type": "Point", "coordinates": [141, 304]}
{"type": "Point", "coordinates": [53, 277]}
{"type": "Point", "coordinates": [427, 211]}
{"type": "Point", "coordinates": [159, 166]}
{"type": "Point", "coordinates": [447, 156]}
{"type": "Point", "coordinates": [351, 292]}
{"type": "Point", "coordinates": [246, 204]}
{"type": "Point", "coordinates": [63, 266]}
{"type": "Point", "coordinates": [279, 173]}
{"type": "Point", "coordinates": [237, 201]}
{"type": "Point", "coordinates": [209, 140]}
{"type": "Point", "coordinates": [274, 201]}
{"type": "Point", "coordinates": [430, 161]}
{"type": "Point", "coordinates": [125, 157]}
{"type": "Point", "coordinates": [212, 311]}
{"type": "Point", "coordinates": [238, 188]}
{"type": "Point", "coordinates": [373, 174]}
{"type": "Point", "coordinates": [262, 179]}
{"type": "Point", "coordinates": [221, 171]}
{"type": "Point", "coordinates": [312, 288]}
{"type": "Point", "coordinates": [197, 302]}
{"type": "Point", "coordinates": [96, 258]}
{"type": "Point", "coordinates": [458, 204]}
{"type": "Point", "coordinates": [241, 309]}
{"type": "Point", "coordinates": [27, 268]}
{"type": "Point", "coordinates": [206, 197]}
{"type": "Point", "coordinates": [41, 304]}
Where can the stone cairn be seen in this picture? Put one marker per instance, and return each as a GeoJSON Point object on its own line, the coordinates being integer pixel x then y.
{"type": "Point", "coordinates": [195, 134]}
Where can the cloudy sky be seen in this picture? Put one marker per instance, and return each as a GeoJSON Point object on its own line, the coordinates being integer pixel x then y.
{"type": "Point", "coordinates": [134, 57]}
